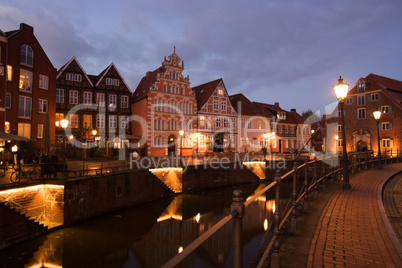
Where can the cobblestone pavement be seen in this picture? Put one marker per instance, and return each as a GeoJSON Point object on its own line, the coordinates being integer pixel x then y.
{"type": "Point", "coordinates": [351, 231]}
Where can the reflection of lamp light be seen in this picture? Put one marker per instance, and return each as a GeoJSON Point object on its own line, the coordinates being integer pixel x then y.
{"type": "Point", "coordinates": [341, 91]}
{"type": "Point", "coordinates": [180, 250]}
{"type": "Point", "coordinates": [377, 116]}
{"type": "Point", "coordinates": [14, 149]}
{"type": "Point", "coordinates": [64, 124]}
{"type": "Point", "coordinates": [197, 218]}
{"type": "Point", "coordinates": [57, 123]}
{"type": "Point", "coordinates": [181, 132]}
{"type": "Point", "coordinates": [265, 224]}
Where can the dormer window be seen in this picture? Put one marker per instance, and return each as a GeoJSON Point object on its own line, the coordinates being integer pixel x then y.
{"type": "Point", "coordinates": [220, 91]}
{"type": "Point", "coordinates": [281, 115]}
{"type": "Point", "coordinates": [361, 86]}
{"type": "Point", "coordinates": [26, 55]}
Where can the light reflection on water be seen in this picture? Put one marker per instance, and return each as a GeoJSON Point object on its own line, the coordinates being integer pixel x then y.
{"type": "Point", "coordinates": [149, 235]}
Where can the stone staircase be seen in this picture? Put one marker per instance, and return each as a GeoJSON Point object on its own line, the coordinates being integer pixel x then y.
{"type": "Point", "coordinates": [171, 177]}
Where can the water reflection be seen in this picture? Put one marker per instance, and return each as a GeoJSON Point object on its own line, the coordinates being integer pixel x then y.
{"type": "Point", "coordinates": [149, 235]}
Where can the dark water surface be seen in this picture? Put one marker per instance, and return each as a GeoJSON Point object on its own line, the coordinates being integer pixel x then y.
{"type": "Point", "coordinates": [149, 235]}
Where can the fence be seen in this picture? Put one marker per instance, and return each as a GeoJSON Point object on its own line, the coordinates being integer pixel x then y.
{"type": "Point", "coordinates": [316, 174]}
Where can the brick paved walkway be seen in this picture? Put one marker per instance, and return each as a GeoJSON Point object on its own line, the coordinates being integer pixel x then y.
{"type": "Point", "coordinates": [351, 231]}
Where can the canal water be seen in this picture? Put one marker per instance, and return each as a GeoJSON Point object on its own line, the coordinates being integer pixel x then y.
{"type": "Point", "coordinates": [149, 235]}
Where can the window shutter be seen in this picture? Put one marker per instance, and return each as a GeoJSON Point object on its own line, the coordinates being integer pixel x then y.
{"type": "Point", "coordinates": [379, 96]}
{"type": "Point", "coordinates": [390, 125]}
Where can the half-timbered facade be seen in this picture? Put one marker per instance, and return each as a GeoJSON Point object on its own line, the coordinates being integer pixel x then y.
{"type": "Point", "coordinates": [217, 119]}
{"type": "Point", "coordinates": [165, 104]}
{"type": "Point", "coordinates": [93, 102]}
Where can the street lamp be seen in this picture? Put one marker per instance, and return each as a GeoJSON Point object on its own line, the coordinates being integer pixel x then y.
{"type": "Point", "coordinates": [341, 91]}
{"type": "Point", "coordinates": [64, 124]}
{"type": "Point", "coordinates": [181, 132]}
{"type": "Point", "coordinates": [377, 116]}
{"type": "Point", "coordinates": [94, 132]}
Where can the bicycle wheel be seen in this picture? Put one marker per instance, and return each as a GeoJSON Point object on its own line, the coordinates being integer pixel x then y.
{"type": "Point", "coordinates": [15, 177]}
{"type": "Point", "coordinates": [35, 174]}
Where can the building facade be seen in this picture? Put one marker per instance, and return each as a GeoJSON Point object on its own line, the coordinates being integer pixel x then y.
{"type": "Point", "coordinates": [217, 119]}
{"type": "Point", "coordinates": [164, 104]}
{"type": "Point", "coordinates": [372, 93]}
{"type": "Point", "coordinates": [29, 91]}
{"type": "Point", "coordinates": [93, 102]}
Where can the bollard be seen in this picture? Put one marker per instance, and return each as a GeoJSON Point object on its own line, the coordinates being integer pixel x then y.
{"type": "Point", "coordinates": [238, 222]}
{"type": "Point", "coordinates": [275, 257]}
{"type": "Point", "coordinates": [294, 197]}
{"type": "Point", "coordinates": [305, 202]}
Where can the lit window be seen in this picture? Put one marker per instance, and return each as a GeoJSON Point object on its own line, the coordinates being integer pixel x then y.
{"type": "Point", "coordinates": [24, 107]}
{"type": "Point", "coordinates": [361, 87]}
{"type": "Point", "coordinates": [26, 55]}
{"type": "Point", "coordinates": [73, 97]}
{"type": "Point", "coordinates": [25, 80]}
{"type": "Point", "coordinates": [7, 127]}
{"type": "Point", "coordinates": [59, 117]}
{"type": "Point", "coordinates": [202, 120]}
{"type": "Point", "coordinates": [43, 81]}
{"type": "Point", "coordinates": [59, 95]}
{"type": "Point", "coordinates": [74, 120]}
{"type": "Point", "coordinates": [87, 121]}
{"type": "Point", "coordinates": [9, 72]}
{"type": "Point", "coordinates": [220, 91]}
{"type": "Point", "coordinates": [42, 106]}
{"type": "Point", "coordinates": [24, 130]}
{"type": "Point", "coordinates": [40, 131]}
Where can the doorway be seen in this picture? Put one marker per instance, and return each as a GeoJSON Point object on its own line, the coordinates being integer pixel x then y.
{"type": "Point", "coordinates": [218, 142]}
{"type": "Point", "coordinates": [172, 145]}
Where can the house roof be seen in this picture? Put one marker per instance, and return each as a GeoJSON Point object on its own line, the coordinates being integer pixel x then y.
{"type": "Point", "coordinates": [203, 92]}
{"type": "Point", "coordinates": [247, 107]}
{"type": "Point", "coordinates": [145, 84]}
{"type": "Point", "coordinates": [105, 71]}
{"type": "Point", "coordinates": [63, 68]}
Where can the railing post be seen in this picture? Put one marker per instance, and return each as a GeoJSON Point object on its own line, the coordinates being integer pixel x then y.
{"type": "Point", "coordinates": [237, 205]}
{"type": "Point", "coordinates": [324, 184]}
{"type": "Point", "coordinates": [315, 179]}
{"type": "Point", "coordinates": [275, 257]}
{"type": "Point", "coordinates": [365, 160]}
{"type": "Point", "coordinates": [294, 197]}
{"type": "Point", "coordinates": [305, 202]}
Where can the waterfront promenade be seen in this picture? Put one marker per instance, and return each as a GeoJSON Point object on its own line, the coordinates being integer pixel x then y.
{"type": "Point", "coordinates": [351, 230]}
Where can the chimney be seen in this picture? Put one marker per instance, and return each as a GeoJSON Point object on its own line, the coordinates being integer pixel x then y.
{"type": "Point", "coordinates": [293, 110]}
{"type": "Point", "coordinates": [277, 104]}
{"type": "Point", "coordinates": [26, 27]}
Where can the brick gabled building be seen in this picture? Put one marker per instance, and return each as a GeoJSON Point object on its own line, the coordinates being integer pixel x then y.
{"type": "Point", "coordinates": [29, 91]}
{"type": "Point", "coordinates": [372, 93]}
{"type": "Point", "coordinates": [101, 102]}
{"type": "Point", "coordinates": [217, 118]}
{"type": "Point", "coordinates": [3, 78]}
{"type": "Point", "coordinates": [254, 125]}
{"type": "Point", "coordinates": [165, 104]}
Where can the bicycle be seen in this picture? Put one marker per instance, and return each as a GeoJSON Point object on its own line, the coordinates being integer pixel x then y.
{"type": "Point", "coordinates": [32, 173]}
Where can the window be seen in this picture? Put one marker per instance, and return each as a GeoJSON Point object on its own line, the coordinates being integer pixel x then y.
{"type": "Point", "coordinates": [43, 81]}
{"type": "Point", "coordinates": [218, 122]}
{"type": "Point", "coordinates": [123, 122]}
{"type": "Point", "coordinates": [59, 95]}
{"type": "Point", "coordinates": [40, 131]}
{"type": "Point", "coordinates": [361, 100]}
{"type": "Point", "coordinates": [111, 81]}
{"type": "Point", "coordinates": [164, 88]}
{"type": "Point", "coordinates": [26, 55]}
{"type": "Point", "coordinates": [69, 76]}
{"type": "Point", "coordinates": [339, 128]}
{"type": "Point", "coordinates": [350, 100]}
{"type": "Point", "coordinates": [59, 117]}
{"type": "Point", "coordinates": [339, 113]}
{"type": "Point", "coordinates": [24, 107]}
{"type": "Point", "coordinates": [361, 87]}
{"type": "Point", "coordinates": [100, 121]}
{"type": "Point", "coordinates": [112, 121]}
{"type": "Point", "coordinates": [9, 72]}
{"type": "Point", "coordinates": [339, 142]}
{"type": "Point", "coordinates": [7, 127]}
{"type": "Point", "coordinates": [73, 97]}
{"type": "Point", "coordinates": [100, 99]}
{"type": "Point", "coordinates": [87, 97]}
{"type": "Point", "coordinates": [74, 120]}
{"type": "Point", "coordinates": [87, 121]}
{"type": "Point", "coordinates": [223, 105]}
{"type": "Point", "coordinates": [386, 125]}
{"type": "Point", "coordinates": [202, 120]}
{"type": "Point", "coordinates": [24, 130]}
{"type": "Point", "coordinates": [124, 102]}
{"type": "Point", "coordinates": [25, 80]}
{"type": "Point", "coordinates": [361, 113]}
{"type": "Point", "coordinates": [220, 91]}
{"type": "Point", "coordinates": [77, 77]}
{"type": "Point", "coordinates": [225, 122]}
{"type": "Point", "coordinates": [376, 97]}
{"type": "Point", "coordinates": [216, 105]}
{"type": "Point", "coordinates": [112, 100]}
{"type": "Point", "coordinates": [243, 123]}
{"type": "Point", "coordinates": [42, 106]}
{"type": "Point", "coordinates": [8, 100]}
{"type": "Point", "coordinates": [387, 142]}
{"type": "Point", "coordinates": [386, 109]}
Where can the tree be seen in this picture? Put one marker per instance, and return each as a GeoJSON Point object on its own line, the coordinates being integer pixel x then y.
{"type": "Point", "coordinates": [310, 117]}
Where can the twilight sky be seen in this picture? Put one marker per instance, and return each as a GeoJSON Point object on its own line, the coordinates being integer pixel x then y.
{"type": "Point", "coordinates": [286, 51]}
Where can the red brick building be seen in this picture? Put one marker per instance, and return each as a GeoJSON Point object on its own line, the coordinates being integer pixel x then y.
{"type": "Point", "coordinates": [372, 93]}
{"type": "Point", "coordinates": [93, 102]}
{"type": "Point", "coordinates": [164, 104]}
{"type": "Point", "coordinates": [29, 92]}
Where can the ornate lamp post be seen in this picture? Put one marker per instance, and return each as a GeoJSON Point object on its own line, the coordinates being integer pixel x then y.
{"type": "Point", "coordinates": [64, 124]}
{"type": "Point", "coordinates": [181, 132]}
{"type": "Point", "coordinates": [94, 132]}
{"type": "Point", "coordinates": [377, 116]}
{"type": "Point", "coordinates": [341, 91]}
